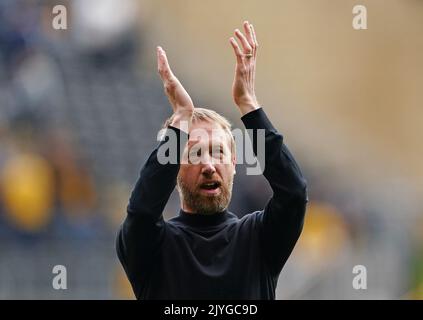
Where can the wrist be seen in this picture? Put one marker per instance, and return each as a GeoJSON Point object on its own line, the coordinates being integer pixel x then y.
{"type": "Point", "coordinates": [248, 107]}
{"type": "Point", "coordinates": [182, 120]}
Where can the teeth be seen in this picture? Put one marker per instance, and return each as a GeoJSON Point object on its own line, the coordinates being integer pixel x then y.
{"type": "Point", "coordinates": [211, 184]}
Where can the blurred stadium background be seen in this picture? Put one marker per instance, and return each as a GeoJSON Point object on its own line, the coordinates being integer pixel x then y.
{"type": "Point", "coordinates": [80, 109]}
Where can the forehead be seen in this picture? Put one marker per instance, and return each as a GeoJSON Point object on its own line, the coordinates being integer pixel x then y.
{"type": "Point", "coordinates": [207, 131]}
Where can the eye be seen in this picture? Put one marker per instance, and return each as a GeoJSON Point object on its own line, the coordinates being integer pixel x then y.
{"type": "Point", "coordinates": [217, 152]}
{"type": "Point", "coordinates": [194, 152]}
{"type": "Point", "coordinates": [194, 155]}
{"type": "Point", "coordinates": [217, 149]}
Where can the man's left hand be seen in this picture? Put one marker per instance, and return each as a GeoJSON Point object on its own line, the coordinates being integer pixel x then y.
{"type": "Point", "coordinates": [244, 81]}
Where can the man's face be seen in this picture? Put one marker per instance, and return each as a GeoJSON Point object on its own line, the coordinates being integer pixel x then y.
{"type": "Point", "coordinates": [205, 182]}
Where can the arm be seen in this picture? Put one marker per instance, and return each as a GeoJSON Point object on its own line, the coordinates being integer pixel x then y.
{"type": "Point", "coordinates": [142, 231]}
{"type": "Point", "coordinates": [282, 220]}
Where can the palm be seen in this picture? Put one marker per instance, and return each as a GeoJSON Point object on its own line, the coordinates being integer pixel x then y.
{"type": "Point", "coordinates": [243, 90]}
{"type": "Point", "coordinates": [176, 93]}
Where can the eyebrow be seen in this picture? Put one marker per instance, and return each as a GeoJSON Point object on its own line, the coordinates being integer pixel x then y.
{"type": "Point", "coordinates": [191, 142]}
{"type": "Point", "coordinates": [220, 144]}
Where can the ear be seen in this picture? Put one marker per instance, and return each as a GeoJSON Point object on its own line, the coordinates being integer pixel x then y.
{"type": "Point", "coordinates": [234, 163]}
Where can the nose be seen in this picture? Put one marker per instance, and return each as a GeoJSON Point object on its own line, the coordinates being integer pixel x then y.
{"type": "Point", "coordinates": [208, 169]}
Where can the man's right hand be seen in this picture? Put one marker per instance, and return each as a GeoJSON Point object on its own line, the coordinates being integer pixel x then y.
{"type": "Point", "coordinates": [179, 98]}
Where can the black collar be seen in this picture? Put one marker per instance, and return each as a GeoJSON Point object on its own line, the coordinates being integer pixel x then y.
{"type": "Point", "coordinates": [198, 219]}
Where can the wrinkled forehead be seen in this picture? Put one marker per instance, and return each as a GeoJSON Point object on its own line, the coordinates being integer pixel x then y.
{"type": "Point", "coordinates": [208, 132]}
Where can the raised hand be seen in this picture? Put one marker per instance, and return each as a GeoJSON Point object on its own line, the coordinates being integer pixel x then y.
{"type": "Point", "coordinates": [179, 98]}
{"type": "Point", "coordinates": [244, 81]}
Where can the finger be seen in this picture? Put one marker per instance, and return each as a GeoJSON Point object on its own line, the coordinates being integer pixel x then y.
{"type": "Point", "coordinates": [163, 64]}
{"type": "Point", "coordinates": [245, 45]}
{"type": "Point", "coordinates": [256, 45]}
{"type": "Point", "coordinates": [237, 50]}
{"type": "Point", "coordinates": [253, 33]}
{"type": "Point", "coordinates": [249, 34]}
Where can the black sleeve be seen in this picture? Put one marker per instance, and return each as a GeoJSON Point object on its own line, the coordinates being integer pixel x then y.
{"type": "Point", "coordinates": [141, 233]}
{"type": "Point", "coordinates": [282, 219]}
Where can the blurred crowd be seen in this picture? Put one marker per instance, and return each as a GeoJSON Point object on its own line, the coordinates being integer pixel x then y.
{"type": "Point", "coordinates": [48, 188]}
{"type": "Point", "coordinates": [45, 181]}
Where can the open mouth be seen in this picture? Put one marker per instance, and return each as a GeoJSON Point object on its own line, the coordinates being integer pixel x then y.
{"type": "Point", "coordinates": [211, 186]}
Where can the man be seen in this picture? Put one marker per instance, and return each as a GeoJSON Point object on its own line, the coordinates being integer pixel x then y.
{"type": "Point", "coordinates": [206, 252]}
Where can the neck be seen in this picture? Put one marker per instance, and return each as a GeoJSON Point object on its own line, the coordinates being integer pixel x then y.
{"type": "Point", "coordinates": [187, 209]}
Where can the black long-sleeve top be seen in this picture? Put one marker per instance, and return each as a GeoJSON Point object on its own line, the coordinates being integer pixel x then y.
{"type": "Point", "coordinates": [219, 256]}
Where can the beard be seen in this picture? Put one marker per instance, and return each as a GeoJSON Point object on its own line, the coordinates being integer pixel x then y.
{"type": "Point", "coordinates": [202, 203]}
